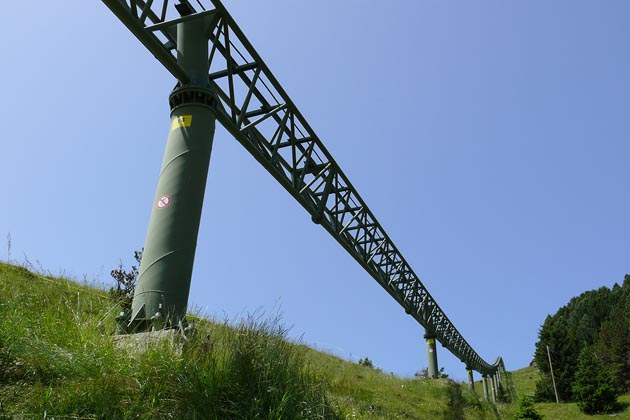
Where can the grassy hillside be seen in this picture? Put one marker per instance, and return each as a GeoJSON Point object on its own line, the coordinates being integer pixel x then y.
{"type": "Point", "coordinates": [525, 384]}
{"type": "Point", "coordinates": [525, 380]}
{"type": "Point", "coordinates": [58, 359]}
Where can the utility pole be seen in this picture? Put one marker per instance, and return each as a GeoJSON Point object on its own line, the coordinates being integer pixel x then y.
{"type": "Point", "coordinates": [553, 379]}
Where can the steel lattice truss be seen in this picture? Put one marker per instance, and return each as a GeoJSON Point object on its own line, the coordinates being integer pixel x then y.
{"type": "Point", "coordinates": [257, 111]}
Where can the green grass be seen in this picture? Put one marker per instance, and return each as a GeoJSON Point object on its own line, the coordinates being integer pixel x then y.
{"type": "Point", "coordinates": [366, 393]}
{"type": "Point", "coordinates": [525, 381]}
{"type": "Point", "coordinates": [525, 384]}
{"type": "Point", "coordinates": [58, 360]}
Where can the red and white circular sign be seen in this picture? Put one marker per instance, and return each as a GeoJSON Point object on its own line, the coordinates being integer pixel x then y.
{"type": "Point", "coordinates": [164, 201]}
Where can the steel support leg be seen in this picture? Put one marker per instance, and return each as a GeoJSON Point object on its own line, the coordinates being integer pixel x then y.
{"type": "Point", "coordinates": [493, 380]}
{"type": "Point", "coordinates": [161, 294]}
{"type": "Point", "coordinates": [471, 380]}
{"type": "Point", "coordinates": [431, 355]}
{"type": "Point", "coordinates": [486, 394]}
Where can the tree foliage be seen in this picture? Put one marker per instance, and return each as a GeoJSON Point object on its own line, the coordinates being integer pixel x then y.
{"type": "Point", "coordinates": [564, 349]}
{"type": "Point", "coordinates": [613, 344]}
{"type": "Point", "coordinates": [594, 387]}
{"type": "Point", "coordinates": [125, 283]}
{"type": "Point", "coordinates": [367, 363]}
{"type": "Point", "coordinates": [527, 410]}
{"type": "Point", "coordinates": [599, 319]}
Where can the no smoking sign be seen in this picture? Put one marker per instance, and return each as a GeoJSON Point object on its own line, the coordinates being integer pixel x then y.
{"type": "Point", "coordinates": [164, 202]}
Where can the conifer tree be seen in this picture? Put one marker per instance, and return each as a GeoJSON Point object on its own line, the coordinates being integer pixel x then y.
{"type": "Point", "coordinates": [594, 387]}
{"type": "Point", "coordinates": [527, 410]}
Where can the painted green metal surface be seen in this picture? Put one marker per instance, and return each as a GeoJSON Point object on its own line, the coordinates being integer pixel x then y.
{"type": "Point", "coordinates": [433, 370]}
{"type": "Point", "coordinates": [486, 393]}
{"type": "Point", "coordinates": [471, 380]}
{"type": "Point", "coordinates": [161, 294]}
{"type": "Point", "coordinates": [257, 111]}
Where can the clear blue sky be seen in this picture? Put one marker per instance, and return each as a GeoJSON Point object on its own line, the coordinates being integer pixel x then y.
{"type": "Point", "coordinates": [490, 138]}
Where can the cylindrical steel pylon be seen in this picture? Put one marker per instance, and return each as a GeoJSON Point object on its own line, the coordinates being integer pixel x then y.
{"type": "Point", "coordinates": [432, 361]}
{"type": "Point", "coordinates": [471, 380]}
{"type": "Point", "coordinates": [486, 394]}
{"type": "Point", "coordinates": [161, 295]}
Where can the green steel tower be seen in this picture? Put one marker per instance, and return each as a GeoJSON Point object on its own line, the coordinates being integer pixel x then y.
{"type": "Point", "coordinates": [161, 295]}
{"type": "Point", "coordinates": [221, 77]}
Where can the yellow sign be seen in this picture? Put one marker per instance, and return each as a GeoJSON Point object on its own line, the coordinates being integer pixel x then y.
{"type": "Point", "coordinates": [181, 121]}
{"type": "Point", "coordinates": [431, 341]}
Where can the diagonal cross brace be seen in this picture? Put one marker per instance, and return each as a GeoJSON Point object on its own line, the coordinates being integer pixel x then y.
{"type": "Point", "coordinates": [257, 111]}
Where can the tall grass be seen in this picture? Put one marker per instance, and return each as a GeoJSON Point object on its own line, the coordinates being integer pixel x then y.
{"type": "Point", "coordinates": [59, 360]}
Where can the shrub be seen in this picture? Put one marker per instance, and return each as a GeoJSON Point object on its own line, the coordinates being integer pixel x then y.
{"type": "Point", "coordinates": [125, 283]}
{"type": "Point", "coordinates": [527, 410]}
{"type": "Point", "coordinates": [367, 363]}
